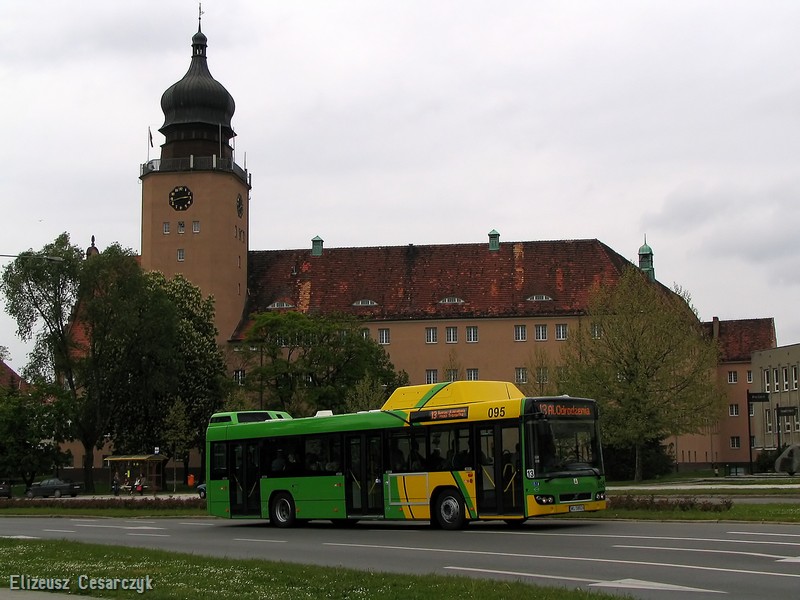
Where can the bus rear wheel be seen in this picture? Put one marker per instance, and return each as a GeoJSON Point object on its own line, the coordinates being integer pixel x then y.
{"type": "Point", "coordinates": [282, 511]}
{"type": "Point", "coordinates": [450, 512]}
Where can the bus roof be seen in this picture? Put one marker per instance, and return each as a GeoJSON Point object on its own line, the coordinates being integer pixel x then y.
{"type": "Point", "coordinates": [450, 394]}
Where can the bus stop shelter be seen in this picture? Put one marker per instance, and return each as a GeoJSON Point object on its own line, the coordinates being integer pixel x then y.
{"type": "Point", "coordinates": [149, 468]}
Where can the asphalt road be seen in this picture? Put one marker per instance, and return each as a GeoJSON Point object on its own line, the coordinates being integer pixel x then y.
{"type": "Point", "coordinates": [637, 559]}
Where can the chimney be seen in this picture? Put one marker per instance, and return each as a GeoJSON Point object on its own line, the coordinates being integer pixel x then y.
{"type": "Point", "coordinates": [715, 328]}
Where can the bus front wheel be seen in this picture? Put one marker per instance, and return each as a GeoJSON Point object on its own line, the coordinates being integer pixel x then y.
{"type": "Point", "coordinates": [282, 511]}
{"type": "Point", "coordinates": [450, 510]}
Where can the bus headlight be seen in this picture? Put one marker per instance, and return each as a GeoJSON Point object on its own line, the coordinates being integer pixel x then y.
{"type": "Point", "coordinates": [545, 499]}
{"type": "Point", "coordinates": [600, 496]}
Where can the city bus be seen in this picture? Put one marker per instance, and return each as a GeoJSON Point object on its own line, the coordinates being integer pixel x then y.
{"type": "Point", "coordinates": [448, 453]}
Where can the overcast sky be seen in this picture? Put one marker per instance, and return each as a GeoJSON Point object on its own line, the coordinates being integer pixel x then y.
{"type": "Point", "coordinates": [370, 122]}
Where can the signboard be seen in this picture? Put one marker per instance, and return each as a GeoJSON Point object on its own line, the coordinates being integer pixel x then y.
{"type": "Point", "coordinates": [565, 409]}
{"type": "Point", "coordinates": [440, 414]}
{"type": "Point", "coordinates": [786, 411]}
{"type": "Point", "coordinates": [758, 396]}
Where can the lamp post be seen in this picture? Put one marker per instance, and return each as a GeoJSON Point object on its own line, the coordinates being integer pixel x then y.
{"type": "Point", "coordinates": [37, 256]}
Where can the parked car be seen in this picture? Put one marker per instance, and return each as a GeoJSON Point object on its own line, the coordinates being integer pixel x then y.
{"type": "Point", "coordinates": [5, 489]}
{"type": "Point", "coordinates": [201, 490]}
{"type": "Point", "coordinates": [54, 487]}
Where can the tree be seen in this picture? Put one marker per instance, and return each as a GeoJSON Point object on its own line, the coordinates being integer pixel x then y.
{"type": "Point", "coordinates": [367, 394]}
{"type": "Point", "coordinates": [310, 362]}
{"type": "Point", "coordinates": [201, 373]}
{"type": "Point", "coordinates": [642, 354]}
{"type": "Point", "coordinates": [178, 434]}
{"type": "Point", "coordinates": [29, 436]}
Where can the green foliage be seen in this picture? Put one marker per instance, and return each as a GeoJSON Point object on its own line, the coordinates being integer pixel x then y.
{"type": "Point", "coordinates": [115, 347]}
{"type": "Point", "coordinates": [642, 354]}
{"type": "Point", "coordinates": [367, 394]}
{"type": "Point", "coordinates": [29, 436]}
{"type": "Point", "coordinates": [765, 461]}
{"type": "Point", "coordinates": [683, 504]}
{"type": "Point", "coordinates": [620, 461]}
{"type": "Point", "coordinates": [303, 363]}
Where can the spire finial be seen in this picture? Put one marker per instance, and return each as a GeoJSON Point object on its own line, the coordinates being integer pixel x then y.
{"type": "Point", "coordinates": [199, 15]}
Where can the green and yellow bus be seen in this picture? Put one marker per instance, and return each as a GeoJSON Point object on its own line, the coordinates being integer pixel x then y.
{"type": "Point", "coordinates": [448, 453]}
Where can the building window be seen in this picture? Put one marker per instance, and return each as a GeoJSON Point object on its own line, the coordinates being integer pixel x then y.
{"type": "Point", "coordinates": [452, 334]}
{"type": "Point", "coordinates": [181, 255]}
{"type": "Point", "coordinates": [181, 227]}
{"type": "Point", "coordinates": [797, 423]}
{"type": "Point", "coordinates": [431, 335]}
{"type": "Point", "coordinates": [768, 419]}
{"type": "Point", "coordinates": [785, 379]}
{"type": "Point", "coordinates": [541, 333]}
{"type": "Point", "coordinates": [383, 336]}
{"type": "Point", "coordinates": [752, 441]}
{"type": "Point", "coordinates": [733, 410]}
{"type": "Point", "coordinates": [794, 377]}
{"type": "Point", "coordinates": [766, 380]}
{"type": "Point", "coordinates": [736, 441]}
{"type": "Point", "coordinates": [452, 374]}
{"type": "Point", "coordinates": [195, 226]}
{"type": "Point", "coordinates": [472, 333]}
{"type": "Point", "coordinates": [472, 374]}
{"type": "Point", "coordinates": [749, 376]}
{"type": "Point", "coordinates": [541, 375]}
{"type": "Point", "coordinates": [597, 331]}
{"type": "Point", "coordinates": [733, 377]}
{"type": "Point", "coordinates": [775, 381]}
{"type": "Point", "coordinates": [751, 409]}
{"type": "Point", "coordinates": [561, 331]}
{"type": "Point", "coordinates": [166, 227]}
{"type": "Point", "coordinates": [238, 376]}
{"type": "Point", "coordinates": [520, 333]}
{"type": "Point", "coordinates": [520, 375]}
{"type": "Point", "coordinates": [431, 376]}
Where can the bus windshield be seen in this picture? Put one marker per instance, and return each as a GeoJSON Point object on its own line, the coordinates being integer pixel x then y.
{"type": "Point", "coordinates": [564, 447]}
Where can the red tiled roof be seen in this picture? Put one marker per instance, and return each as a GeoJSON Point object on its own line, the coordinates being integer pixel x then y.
{"type": "Point", "coordinates": [408, 282]}
{"type": "Point", "coordinates": [738, 339]}
{"type": "Point", "coordinates": [9, 378]}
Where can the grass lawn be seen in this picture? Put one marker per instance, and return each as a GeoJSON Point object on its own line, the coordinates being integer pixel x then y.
{"type": "Point", "coordinates": [181, 576]}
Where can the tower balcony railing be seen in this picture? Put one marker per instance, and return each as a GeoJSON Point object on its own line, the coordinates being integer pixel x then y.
{"type": "Point", "coordinates": [194, 163]}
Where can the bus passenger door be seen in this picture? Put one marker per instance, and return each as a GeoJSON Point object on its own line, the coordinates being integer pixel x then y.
{"type": "Point", "coordinates": [245, 480]}
{"type": "Point", "coordinates": [363, 474]}
{"type": "Point", "coordinates": [499, 476]}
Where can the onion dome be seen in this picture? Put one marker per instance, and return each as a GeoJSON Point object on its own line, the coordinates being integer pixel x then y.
{"type": "Point", "coordinates": [198, 100]}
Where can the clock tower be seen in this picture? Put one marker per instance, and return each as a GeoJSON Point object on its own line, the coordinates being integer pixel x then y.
{"type": "Point", "coordinates": [195, 198]}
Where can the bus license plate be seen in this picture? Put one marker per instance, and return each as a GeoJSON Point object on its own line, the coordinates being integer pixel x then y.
{"type": "Point", "coordinates": [576, 508]}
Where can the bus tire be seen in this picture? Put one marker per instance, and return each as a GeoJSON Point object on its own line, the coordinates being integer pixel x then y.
{"type": "Point", "coordinates": [450, 510]}
{"type": "Point", "coordinates": [282, 511]}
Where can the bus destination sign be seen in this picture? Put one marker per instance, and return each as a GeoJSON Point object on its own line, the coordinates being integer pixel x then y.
{"type": "Point", "coordinates": [440, 414]}
{"type": "Point", "coordinates": [566, 409]}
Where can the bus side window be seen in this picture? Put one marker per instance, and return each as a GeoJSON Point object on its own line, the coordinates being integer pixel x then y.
{"type": "Point", "coordinates": [219, 460]}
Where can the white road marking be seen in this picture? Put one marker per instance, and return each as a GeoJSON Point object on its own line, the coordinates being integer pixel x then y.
{"type": "Point", "coordinates": [60, 530]}
{"type": "Point", "coordinates": [569, 558]}
{"type": "Point", "coordinates": [199, 524]}
{"type": "Point", "coordinates": [257, 540]}
{"type": "Point", "coordinates": [637, 584]}
{"type": "Point", "coordinates": [137, 527]}
{"type": "Point", "coordinates": [707, 550]}
{"type": "Point", "coordinates": [620, 583]}
{"type": "Point", "coordinates": [150, 534]}
{"type": "Point", "coordinates": [633, 537]}
{"type": "Point", "coordinates": [19, 537]}
{"type": "Point", "coordinates": [797, 535]}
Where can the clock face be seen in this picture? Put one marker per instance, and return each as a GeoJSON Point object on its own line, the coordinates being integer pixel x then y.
{"type": "Point", "coordinates": [239, 206]}
{"type": "Point", "coordinates": [180, 198]}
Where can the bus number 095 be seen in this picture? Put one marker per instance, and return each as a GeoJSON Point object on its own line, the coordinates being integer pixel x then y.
{"type": "Point", "coordinates": [497, 412]}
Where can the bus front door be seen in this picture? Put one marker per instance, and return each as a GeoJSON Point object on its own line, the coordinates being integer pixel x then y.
{"type": "Point", "coordinates": [499, 470]}
{"type": "Point", "coordinates": [245, 480]}
{"type": "Point", "coordinates": [364, 475]}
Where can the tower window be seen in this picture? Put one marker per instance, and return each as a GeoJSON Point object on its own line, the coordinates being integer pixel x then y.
{"type": "Point", "coordinates": [195, 226]}
{"type": "Point", "coordinates": [181, 255]}
{"type": "Point", "coordinates": [181, 227]}
{"type": "Point", "coordinates": [166, 227]}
